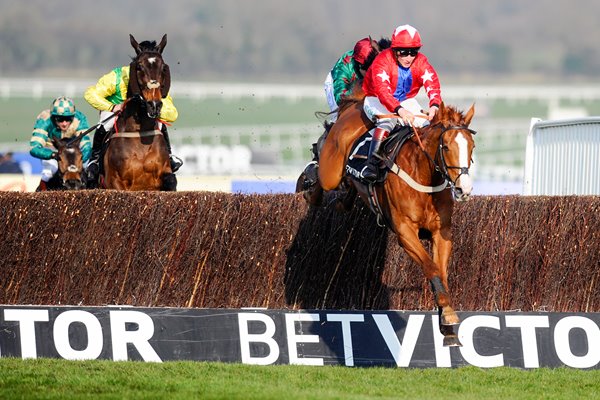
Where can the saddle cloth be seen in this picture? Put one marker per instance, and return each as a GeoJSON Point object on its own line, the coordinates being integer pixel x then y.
{"type": "Point", "coordinates": [357, 160]}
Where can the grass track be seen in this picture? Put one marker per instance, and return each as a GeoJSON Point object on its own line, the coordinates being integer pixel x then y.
{"type": "Point", "coordinates": [49, 378]}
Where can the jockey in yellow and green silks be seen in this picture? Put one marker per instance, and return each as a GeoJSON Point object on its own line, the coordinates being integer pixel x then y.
{"type": "Point", "coordinates": [107, 96]}
{"type": "Point", "coordinates": [111, 90]}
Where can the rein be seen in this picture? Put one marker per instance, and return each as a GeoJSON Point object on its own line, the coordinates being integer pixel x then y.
{"type": "Point", "coordinates": [98, 125]}
{"type": "Point", "coordinates": [442, 169]}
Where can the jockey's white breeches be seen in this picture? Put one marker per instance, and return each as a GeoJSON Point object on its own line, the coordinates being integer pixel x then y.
{"type": "Point", "coordinates": [108, 125]}
{"type": "Point", "coordinates": [49, 168]}
{"type": "Point", "coordinates": [373, 107]}
{"type": "Point", "coordinates": [329, 95]}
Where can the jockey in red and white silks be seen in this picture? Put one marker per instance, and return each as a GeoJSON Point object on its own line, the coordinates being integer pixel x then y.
{"type": "Point", "coordinates": [391, 84]}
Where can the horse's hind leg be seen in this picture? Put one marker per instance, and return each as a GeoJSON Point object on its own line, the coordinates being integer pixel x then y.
{"type": "Point", "coordinates": [314, 195]}
{"type": "Point", "coordinates": [347, 201]}
{"type": "Point", "coordinates": [169, 183]}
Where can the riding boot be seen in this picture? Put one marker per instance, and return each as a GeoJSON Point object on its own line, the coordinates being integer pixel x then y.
{"type": "Point", "coordinates": [370, 172]}
{"type": "Point", "coordinates": [93, 168]}
{"type": "Point", "coordinates": [175, 161]}
{"type": "Point", "coordinates": [42, 187]}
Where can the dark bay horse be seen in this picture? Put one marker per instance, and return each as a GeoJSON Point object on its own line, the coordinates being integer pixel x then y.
{"type": "Point", "coordinates": [430, 171]}
{"type": "Point", "coordinates": [137, 157]}
{"type": "Point", "coordinates": [70, 174]}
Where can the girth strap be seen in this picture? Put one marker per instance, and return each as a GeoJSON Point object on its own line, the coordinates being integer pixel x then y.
{"type": "Point", "coordinates": [392, 166]}
{"type": "Point", "coordinates": [137, 134]}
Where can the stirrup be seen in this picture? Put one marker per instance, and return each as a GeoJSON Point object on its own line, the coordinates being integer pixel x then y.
{"type": "Point", "coordinates": [175, 162]}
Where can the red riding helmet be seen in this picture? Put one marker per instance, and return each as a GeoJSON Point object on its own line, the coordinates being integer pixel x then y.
{"type": "Point", "coordinates": [406, 36]}
{"type": "Point", "coordinates": [362, 49]}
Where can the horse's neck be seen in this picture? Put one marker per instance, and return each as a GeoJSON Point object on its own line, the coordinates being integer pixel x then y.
{"type": "Point", "coordinates": [137, 123]}
{"type": "Point", "coordinates": [420, 158]}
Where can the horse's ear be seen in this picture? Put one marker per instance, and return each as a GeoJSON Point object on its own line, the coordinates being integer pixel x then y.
{"type": "Point", "coordinates": [162, 44]}
{"type": "Point", "coordinates": [166, 83]}
{"type": "Point", "coordinates": [57, 143]}
{"type": "Point", "coordinates": [470, 114]}
{"type": "Point", "coordinates": [374, 45]}
{"type": "Point", "coordinates": [135, 44]}
{"type": "Point", "coordinates": [441, 114]}
{"type": "Point", "coordinates": [75, 141]}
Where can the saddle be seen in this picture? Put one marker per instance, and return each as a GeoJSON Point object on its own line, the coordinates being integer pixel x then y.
{"type": "Point", "coordinates": [357, 160]}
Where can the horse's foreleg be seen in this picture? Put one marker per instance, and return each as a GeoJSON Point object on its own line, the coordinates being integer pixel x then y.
{"type": "Point", "coordinates": [442, 248]}
{"type": "Point", "coordinates": [408, 235]}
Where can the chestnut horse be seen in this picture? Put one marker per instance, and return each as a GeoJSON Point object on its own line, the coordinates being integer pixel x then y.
{"type": "Point", "coordinates": [430, 169]}
{"type": "Point", "coordinates": [137, 157]}
{"type": "Point", "coordinates": [70, 174]}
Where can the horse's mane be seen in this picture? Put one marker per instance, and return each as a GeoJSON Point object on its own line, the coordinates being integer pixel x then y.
{"type": "Point", "coordinates": [356, 95]}
{"type": "Point", "coordinates": [449, 115]}
{"type": "Point", "coordinates": [147, 46]}
{"type": "Point", "coordinates": [379, 45]}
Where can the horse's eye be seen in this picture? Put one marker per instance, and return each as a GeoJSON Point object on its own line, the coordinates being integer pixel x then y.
{"type": "Point", "coordinates": [444, 147]}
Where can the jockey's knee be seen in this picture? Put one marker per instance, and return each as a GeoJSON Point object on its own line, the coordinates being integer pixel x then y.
{"type": "Point", "coordinates": [388, 124]}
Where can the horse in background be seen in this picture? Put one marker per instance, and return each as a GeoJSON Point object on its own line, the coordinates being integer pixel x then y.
{"type": "Point", "coordinates": [70, 174]}
{"type": "Point", "coordinates": [424, 177]}
{"type": "Point", "coordinates": [137, 157]}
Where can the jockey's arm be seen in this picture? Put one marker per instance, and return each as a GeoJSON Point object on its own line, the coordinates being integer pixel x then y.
{"type": "Point", "coordinates": [39, 138]}
{"type": "Point", "coordinates": [37, 150]}
{"type": "Point", "coordinates": [86, 143]}
{"type": "Point", "coordinates": [97, 95]}
{"type": "Point", "coordinates": [86, 147]}
{"type": "Point", "coordinates": [168, 112]}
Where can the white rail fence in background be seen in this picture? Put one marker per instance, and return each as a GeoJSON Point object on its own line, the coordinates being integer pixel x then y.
{"type": "Point", "coordinates": [562, 157]}
{"type": "Point", "coordinates": [40, 87]}
{"type": "Point", "coordinates": [499, 156]}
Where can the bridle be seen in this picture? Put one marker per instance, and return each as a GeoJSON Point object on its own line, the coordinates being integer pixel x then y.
{"type": "Point", "coordinates": [443, 167]}
{"type": "Point", "coordinates": [136, 88]}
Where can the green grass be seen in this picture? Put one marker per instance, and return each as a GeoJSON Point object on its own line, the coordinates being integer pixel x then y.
{"type": "Point", "coordinates": [49, 378]}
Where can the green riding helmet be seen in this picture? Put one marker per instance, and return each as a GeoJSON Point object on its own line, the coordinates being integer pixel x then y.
{"type": "Point", "coordinates": [63, 106]}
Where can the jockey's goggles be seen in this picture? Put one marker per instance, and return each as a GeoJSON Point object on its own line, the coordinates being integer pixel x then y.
{"type": "Point", "coordinates": [62, 118]}
{"type": "Point", "coordinates": [407, 52]}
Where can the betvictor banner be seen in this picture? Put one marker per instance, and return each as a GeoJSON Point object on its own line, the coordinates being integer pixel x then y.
{"type": "Point", "coordinates": [320, 337]}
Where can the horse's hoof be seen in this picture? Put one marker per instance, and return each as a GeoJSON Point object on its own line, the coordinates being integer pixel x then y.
{"type": "Point", "coordinates": [452, 341]}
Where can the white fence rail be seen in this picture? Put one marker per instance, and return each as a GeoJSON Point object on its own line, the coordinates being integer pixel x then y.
{"type": "Point", "coordinates": [563, 157]}
{"type": "Point", "coordinates": [499, 156]}
{"type": "Point", "coordinates": [499, 153]}
{"type": "Point", "coordinates": [48, 87]}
